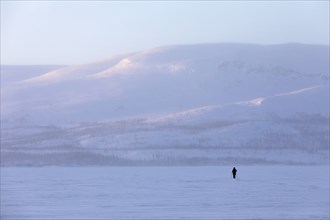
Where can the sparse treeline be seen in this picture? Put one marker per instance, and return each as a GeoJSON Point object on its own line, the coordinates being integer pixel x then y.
{"type": "Point", "coordinates": [131, 142]}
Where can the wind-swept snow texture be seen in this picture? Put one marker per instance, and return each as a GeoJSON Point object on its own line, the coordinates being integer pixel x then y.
{"type": "Point", "coordinates": [165, 193]}
{"type": "Point", "coordinates": [175, 105]}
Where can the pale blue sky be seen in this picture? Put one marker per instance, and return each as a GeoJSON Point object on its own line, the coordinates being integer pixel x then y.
{"type": "Point", "coordinates": [50, 32]}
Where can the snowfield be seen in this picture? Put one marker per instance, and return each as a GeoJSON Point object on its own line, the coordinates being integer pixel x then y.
{"type": "Point", "coordinates": [189, 193]}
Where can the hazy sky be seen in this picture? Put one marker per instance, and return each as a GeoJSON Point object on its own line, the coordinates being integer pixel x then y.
{"type": "Point", "coordinates": [50, 32]}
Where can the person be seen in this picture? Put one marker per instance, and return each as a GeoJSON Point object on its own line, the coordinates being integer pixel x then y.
{"type": "Point", "coordinates": [234, 171]}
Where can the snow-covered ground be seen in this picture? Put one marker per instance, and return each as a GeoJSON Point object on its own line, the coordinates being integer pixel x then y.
{"type": "Point", "coordinates": [259, 192]}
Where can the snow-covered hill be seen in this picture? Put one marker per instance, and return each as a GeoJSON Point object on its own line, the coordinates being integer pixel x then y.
{"type": "Point", "coordinates": [188, 104]}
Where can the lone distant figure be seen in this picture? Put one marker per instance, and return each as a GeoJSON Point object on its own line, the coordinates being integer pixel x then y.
{"type": "Point", "coordinates": [234, 171]}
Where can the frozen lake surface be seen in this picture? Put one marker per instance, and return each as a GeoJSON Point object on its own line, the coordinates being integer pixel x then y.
{"type": "Point", "coordinates": [187, 193]}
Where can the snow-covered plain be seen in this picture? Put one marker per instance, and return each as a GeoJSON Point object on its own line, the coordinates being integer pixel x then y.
{"type": "Point", "coordinates": [188, 193]}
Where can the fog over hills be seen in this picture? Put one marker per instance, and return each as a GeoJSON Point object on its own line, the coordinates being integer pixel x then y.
{"type": "Point", "coordinates": [177, 105]}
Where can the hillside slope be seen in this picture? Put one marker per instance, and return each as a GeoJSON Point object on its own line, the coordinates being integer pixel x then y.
{"type": "Point", "coordinates": [188, 104]}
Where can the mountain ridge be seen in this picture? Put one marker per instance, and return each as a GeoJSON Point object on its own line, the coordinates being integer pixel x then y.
{"type": "Point", "coordinates": [208, 103]}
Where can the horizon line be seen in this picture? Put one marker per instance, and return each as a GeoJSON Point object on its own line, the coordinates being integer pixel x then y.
{"type": "Point", "coordinates": [165, 46]}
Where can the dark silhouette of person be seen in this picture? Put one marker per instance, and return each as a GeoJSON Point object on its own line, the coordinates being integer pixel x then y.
{"type": "Point", "coordinates": [234, 171]}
